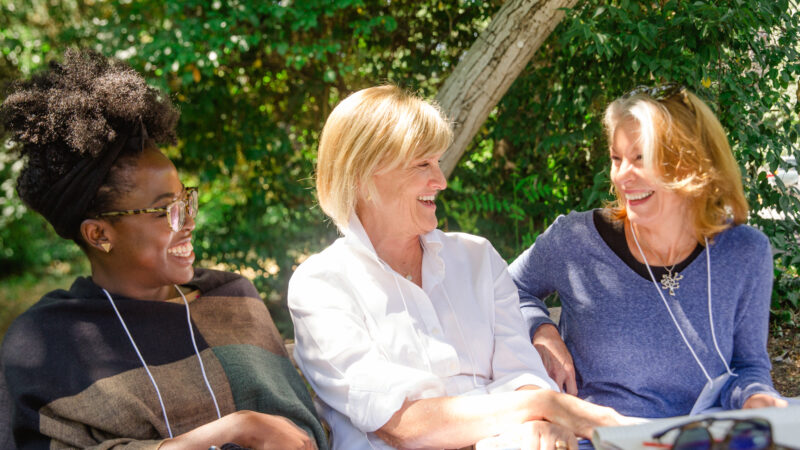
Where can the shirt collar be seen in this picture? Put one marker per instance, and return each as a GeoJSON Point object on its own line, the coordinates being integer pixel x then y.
{"type": "Point", "coordinates": [355, 234]}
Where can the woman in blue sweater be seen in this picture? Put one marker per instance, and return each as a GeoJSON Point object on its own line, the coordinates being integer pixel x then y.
{"type": "Point", "coordinates": [665, 293]}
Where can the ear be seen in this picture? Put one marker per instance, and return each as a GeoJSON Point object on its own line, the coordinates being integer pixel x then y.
{"type": "Point", "coordinates": [97, 234]}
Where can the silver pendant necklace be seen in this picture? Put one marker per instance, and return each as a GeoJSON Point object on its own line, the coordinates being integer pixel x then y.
{"type": "Point", "coordinates": [671, 281]}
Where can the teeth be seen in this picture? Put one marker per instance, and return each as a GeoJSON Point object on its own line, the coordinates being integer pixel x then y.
{"type": "Point", "coordinates": [181, 250]}
{"type": "Point", "coordinates": [639, 196]}
{"type": "Point", "coordinates": [427, 198]}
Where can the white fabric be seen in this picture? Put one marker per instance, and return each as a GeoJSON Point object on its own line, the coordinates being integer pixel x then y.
{"type": "Point", "coordinates": [367, 339]}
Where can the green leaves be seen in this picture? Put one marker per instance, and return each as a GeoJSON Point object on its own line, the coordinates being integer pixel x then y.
{"type": "Point", "coordinates": [255, 81]}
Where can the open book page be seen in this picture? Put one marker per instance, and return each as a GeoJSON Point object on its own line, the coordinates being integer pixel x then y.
{"type": "Point", "coordinates": [785, 428]}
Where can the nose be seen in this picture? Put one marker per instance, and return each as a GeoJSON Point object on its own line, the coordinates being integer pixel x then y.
{"type": "Point", "coordinates": [624, 170]}
{"type": "Point", "coordinates": [438, 180]}
{"type": "Point", "coordinates": [188, 222]}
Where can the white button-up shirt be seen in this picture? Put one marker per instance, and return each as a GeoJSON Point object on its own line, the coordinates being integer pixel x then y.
{"type": "Point", "coordinates": [367, 339]}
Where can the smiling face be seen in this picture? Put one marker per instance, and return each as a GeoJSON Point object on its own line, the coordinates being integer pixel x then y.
{"type": "Point", "coordinates": [146, 255]}
{"type": "Point", "coordinates": [647, 202]}
{"type": "Point", "coordinates": [405, 204]}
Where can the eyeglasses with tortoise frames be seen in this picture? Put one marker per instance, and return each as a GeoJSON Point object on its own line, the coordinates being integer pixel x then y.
{"type": "Point", "coordinates": [176, 211]}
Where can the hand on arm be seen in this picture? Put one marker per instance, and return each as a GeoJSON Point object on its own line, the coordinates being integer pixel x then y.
{"type": "Point", "coordinates": [247, 429]}
{"type": "Point", "coordinates": [556, 358]}
{"type": "Point", "coordinates": [454, 422]}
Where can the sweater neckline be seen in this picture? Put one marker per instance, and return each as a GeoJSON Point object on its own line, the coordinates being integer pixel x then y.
{"type": "Point", "coordinates": [613, 240]}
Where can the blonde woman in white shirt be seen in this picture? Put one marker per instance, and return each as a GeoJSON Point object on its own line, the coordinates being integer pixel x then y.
{"type": "Point", "coordinates": [412, 337]}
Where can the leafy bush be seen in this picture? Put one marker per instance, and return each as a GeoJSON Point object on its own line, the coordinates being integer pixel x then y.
{"type": "Point", "coordinates": [256, 80]}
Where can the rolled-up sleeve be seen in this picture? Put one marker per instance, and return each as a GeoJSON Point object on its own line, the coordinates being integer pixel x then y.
{"type": "Point", "coordinates": [335, 351]}
{"type": "Point", "coordinates": [515, 363]}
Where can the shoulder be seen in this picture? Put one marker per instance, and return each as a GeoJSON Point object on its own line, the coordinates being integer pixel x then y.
{"type": "Point", "coordinates": [574, 221]}
{"type": "Point", "coordinates": [40, 323]}
{"type": "Point", "coordinates": [223, 284]}
{"type": "Point", "coordinates": [463, 245]}
{"type": "Point", "coordinates": [742, 239]}
{"type": "Point", "coordinates": [331, 258]}
{"type": "Point", "coordinates": [742, 248]}
{"type": "Point", "coordinates": [569, 229]}
{"type": "Point", "coordinates": [337, 266]}
{"type": "Point", "coordinates": [459, 239]}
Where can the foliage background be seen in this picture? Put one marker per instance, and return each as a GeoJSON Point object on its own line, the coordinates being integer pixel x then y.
{"type": "Point", "coordinates": [256, 80]}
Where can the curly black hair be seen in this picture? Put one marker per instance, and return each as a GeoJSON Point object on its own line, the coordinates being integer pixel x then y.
{"type": "Point", "coordinates": [71, 112]}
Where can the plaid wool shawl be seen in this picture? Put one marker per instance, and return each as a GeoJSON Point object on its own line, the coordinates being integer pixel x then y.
{"type": "Point", "coordinates": [73, 378]}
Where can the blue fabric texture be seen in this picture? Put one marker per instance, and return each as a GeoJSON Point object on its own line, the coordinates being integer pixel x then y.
{"type": "Point", "coordinates": [627, 352]}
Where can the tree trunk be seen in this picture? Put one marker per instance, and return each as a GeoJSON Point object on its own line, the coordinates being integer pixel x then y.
{"type": "Point", "coordinates": [488, 68]}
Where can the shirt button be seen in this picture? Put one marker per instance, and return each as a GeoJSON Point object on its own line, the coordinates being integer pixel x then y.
{"type": "Point", "coordinates": [437, 331]}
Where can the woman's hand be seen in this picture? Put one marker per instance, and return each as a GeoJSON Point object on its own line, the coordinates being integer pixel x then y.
{"type": "Point", "coordinates": [534, 435]}
{"type": "Point", "coordinates": [556, 357]}
{"type": "Point", "coordinates": [764, 401]}
{"type": "Point", "coordinates": [540, 435]}
{"type": "Point", "coordinates": [248, 429]}
{"type": "Point", "coordinates": [579, 416]}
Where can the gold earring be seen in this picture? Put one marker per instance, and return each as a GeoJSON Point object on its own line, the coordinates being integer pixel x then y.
{"type": "Point", "coordinates": [106, 247]}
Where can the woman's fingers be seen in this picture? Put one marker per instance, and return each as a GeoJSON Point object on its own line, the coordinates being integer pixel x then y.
{"type": "Point", "coordinates": [556, 358]}
{"type": "Point", "coordinates": [764, 401]}
{"type": "Point", "coordinates": [541, 435]}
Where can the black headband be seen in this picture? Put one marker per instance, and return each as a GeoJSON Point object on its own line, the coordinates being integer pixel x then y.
{"type": "Point", "coordinates": [65, 204]}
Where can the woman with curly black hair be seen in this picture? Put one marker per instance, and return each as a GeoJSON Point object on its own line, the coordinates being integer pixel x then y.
{"type": "Point", "coordinates": [147, 352]}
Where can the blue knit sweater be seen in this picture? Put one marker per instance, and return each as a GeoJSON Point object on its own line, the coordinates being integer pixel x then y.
{"type": "Point", "coordinates": [628, 353]}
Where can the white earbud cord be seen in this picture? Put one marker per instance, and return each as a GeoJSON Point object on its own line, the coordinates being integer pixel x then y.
{"type": "Point", "coordinates": [197, 352]}
{"type": "Point", "coordinates": [147, 369]}
{"type": "Point", "coordinates": [674, 320]}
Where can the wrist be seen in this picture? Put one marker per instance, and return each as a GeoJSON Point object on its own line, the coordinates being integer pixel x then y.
{"type": "Point", "coordinates": [546, 331]}
{"type": "Point", "coordinates": [539, 404]}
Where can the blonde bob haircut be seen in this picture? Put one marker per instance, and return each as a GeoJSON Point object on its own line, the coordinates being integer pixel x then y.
{"type": "Point", "coordinates": [684, 144]}
{"type": "Point", "coordinates": [375, 129]}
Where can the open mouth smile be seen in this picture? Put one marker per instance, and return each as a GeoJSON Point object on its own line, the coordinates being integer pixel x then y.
{"type": "Point", "coordinates": [427, 200]}
{"type": "Point", "coordinates": [182, 250]}
{"type": "Point", "coordinates": [639, 196]}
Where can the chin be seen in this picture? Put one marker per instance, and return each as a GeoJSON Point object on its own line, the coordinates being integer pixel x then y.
{"type": "Point", "coordinates": [185, 276]}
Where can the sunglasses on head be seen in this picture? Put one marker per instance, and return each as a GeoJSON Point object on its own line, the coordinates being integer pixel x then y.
{"type": "Point", "coordinates": [661, 92]}
{"type": "Point", "coordinates": [176, 211]}
{"type": "Point", "coordinates": [743, 434]}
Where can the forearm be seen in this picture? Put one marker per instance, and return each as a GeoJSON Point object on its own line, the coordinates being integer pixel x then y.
{"type": "Point", "coordinates": [455, 422]}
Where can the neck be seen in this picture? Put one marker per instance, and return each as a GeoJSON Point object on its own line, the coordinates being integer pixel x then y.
{"type": "Point", "coordinates": [664, 244]}
{"type": "Point", "coordinates": [402, 251]}
{"type": "Point", "coordinates": [120, 285]}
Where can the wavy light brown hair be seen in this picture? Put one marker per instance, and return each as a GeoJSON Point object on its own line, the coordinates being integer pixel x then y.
{"type": "Point", "coordinates": [374, 129]}
{"type": "Point", "coordinates": [684, 143]}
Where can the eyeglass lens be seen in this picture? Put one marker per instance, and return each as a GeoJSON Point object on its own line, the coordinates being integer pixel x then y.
{"type": "Point", "coordinates": [179, 209]}
{"type": "Point", "coordinates": [752, 434]}
{"type": "Point", "coordinates": [191, 207]}
{"type": "Point", "coordinates": [697, 438]}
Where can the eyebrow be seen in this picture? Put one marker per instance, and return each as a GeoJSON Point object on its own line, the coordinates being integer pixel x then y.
{"type": "Point", "coordinates": [169, 195]}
